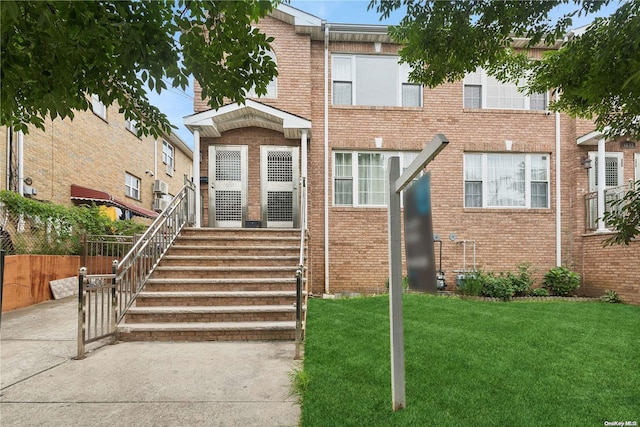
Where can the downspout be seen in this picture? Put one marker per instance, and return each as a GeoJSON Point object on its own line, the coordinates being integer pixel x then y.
{"type": "Point", "coordinates": [9, 143]}
{"type": "Point", "coordinates": [155, 159]}
{"type": "Point", "coordinates": [558, 190]}
{"type": "Point", "coordinates": [326, 159]}
{"type": "Point", "coordinates": [20, 163]}
{"type": "Point", "coordinates": [196, 176]}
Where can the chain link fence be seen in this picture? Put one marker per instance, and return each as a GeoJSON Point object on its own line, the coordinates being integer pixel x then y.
{"type": "Point", "coordinates": [20, 234]}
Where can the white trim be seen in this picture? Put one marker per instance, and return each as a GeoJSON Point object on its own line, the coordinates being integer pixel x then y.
{"type": "Point", "coordinates": [528, 180]}
{"type": "Point", "coordinates": [232, 116]}
{"type": "Point", "coordinates": [483, 83]}
{"type": "Point", "coordinates": [593, 155]}
{"type": "Point", "coordinates": [98, 107]}
{"type": "Point", "coordinates": [636, 161]}
{"type": "Point", "coordinates": [401, 80]}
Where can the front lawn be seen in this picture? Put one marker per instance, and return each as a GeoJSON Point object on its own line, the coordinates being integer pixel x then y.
{"type": "Point", "coordinates": [473, 363]}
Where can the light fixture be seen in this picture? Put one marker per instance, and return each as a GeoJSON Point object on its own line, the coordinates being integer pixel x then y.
{"type": "Point", "coordinates": [586, 162]}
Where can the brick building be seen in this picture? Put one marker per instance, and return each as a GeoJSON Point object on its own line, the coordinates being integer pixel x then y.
{"type": "Point", "coordinates": [96, 157]}
{"type": "Point", "coordinates": [510, 187]}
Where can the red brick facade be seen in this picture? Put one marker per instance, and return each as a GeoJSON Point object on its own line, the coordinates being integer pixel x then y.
{"type": "Point", "coordinates": [357, 244]}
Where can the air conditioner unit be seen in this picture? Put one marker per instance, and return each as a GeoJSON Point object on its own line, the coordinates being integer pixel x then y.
{"type": "Point", "coordinates": [160, 187]}
{"type": "Point", "coordinates": [160, 205]}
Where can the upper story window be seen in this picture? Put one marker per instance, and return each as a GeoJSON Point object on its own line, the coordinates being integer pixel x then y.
{"type": "Point", "coordinates": [499, 180]}
{"type": "Point", "coordinates": [484, 91]}
{"type": "Point", "coordinates": [132, 186]}
{"type": "Point", "coordinates": [168, 156]}
{"type": "Point", "coordinates": [132, 126]}
{"type": "Point", "coordinates": [373, 80]}
{"type": "Point", "coordinates": [272, 87]}
{"type": "Point", "coordinates": [99, 109]}
{"type": "Point", "coordinates": [360, 177]}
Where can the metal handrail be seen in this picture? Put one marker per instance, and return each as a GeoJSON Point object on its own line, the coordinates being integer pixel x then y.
{"type": "Point", "coordinates": [301, 269]}
{"type": "Point", "coordinates": [138, 264]}
{"type": "Point", "coordinates": [611, 194]}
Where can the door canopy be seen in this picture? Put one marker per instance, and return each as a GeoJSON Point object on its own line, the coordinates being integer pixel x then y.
{"type": "Point", "coordinates": [213, 123]}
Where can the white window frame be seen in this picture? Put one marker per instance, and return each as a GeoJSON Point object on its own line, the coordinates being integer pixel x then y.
{"type": "Point", "coordinates": [527, 187]}
{"type": "Point", "coordinates": [406, 157]}
{"type": "Point", "coordinates": [402, 74]}
{"type": "Point", "coordinates": [480, 78]}
{"type": "Point", "coordinates": [98, 107]}
{"type": "Point", "coordinates": [272, 86]}
{"type": "Point", "coordinates": [593, 155]}
{"type": "Point", "coordinates": [132, 186]}
{"type": "Point", "coordinates": [132, 126]}
{"type": "Point", "coordinates": [168, 156]}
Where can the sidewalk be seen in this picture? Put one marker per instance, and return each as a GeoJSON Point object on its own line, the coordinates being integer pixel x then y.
{"type": "Point", "coordinates": [138, 383]}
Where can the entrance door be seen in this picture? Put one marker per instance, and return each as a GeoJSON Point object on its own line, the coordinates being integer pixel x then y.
{"type": "Point", "coordinates": [279, 186]}
{"type": "Point", "coordinates": [613, 170]}
{"type": "Point", "coordinates": [227, 185]}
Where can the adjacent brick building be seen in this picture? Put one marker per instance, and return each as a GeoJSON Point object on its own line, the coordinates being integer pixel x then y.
{"type": "Point", "coordinates": [95, 158]}
{"type": "Point", "coordinates": [511, 186]}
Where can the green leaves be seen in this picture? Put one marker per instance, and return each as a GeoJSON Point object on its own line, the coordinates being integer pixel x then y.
{"type": "Point", "coordinates": [596, 73]}
{"type": "Point", "coordinates": [624, 217]}
{"type": "Point", "coordinates": [56, 54]}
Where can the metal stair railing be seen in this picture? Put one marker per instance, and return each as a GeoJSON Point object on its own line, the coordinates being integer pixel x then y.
{"type": "Point", "coordinates": [103, 299]}
{"type": "Point", "coordinates": [139, 263]}
{"type": "Point", "coordinates": [300, 272]}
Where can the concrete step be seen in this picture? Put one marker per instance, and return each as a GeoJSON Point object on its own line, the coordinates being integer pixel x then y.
{"type": "Point", "coordinates": [231, 261]}
{"type": "Point", "coordinates": [241, 284]}
{"type": "Point", "coordinates": [224, 250]}
{"type": "Point", "coordinates": [240, 232]}
{"type": "Point", "coordinates": [207, 331]}
{"type": "Point", "coordinates": [225, 272]}
{"type": "Point", "coordinates": [204, 298]}
{"type": "Point", "coordinates": [243, 313]}
{"type": "Point", "coordinates": [238, 241]}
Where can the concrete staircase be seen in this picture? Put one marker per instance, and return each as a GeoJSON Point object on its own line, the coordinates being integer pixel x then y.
{"type": "Point", "coordinates": [220, 285]}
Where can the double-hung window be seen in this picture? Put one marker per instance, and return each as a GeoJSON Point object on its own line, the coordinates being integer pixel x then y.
{"type": "Point", "coordinates": [360, 177]}
{"type": "Point", "coordinates": [484, 91]}
{"type": "Point", "coordinates": [272, 86]}
{"type": "Point", "coordinates": [373, 80]}
{"type": "Point", "coordinates": [99, 109]}
{"type": "Point", "coordinates": [132, 186]}
{"type": "Point", "coordinates": [506, 180]}
{"type": "Point", "coordinates": [167, 156]}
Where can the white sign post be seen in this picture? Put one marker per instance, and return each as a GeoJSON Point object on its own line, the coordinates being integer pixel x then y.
{"type": "Point", "coordinates": [396, 184]}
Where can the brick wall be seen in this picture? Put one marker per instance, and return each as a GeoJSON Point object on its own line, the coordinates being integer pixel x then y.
{"type": "Point", "coordinates": [94, 153]}
{"type": "Point", "coordinates": [358, 236]}
{"type": "Point", "coordinates": [612, 267]}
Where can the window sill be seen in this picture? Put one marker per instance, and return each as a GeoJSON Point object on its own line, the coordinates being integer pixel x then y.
{"type": "Point", "coordinates": [546, 211]}
{"type": "Point", "coordinates": [504, 111]}
{"type": "Point", "coordinates": [358, 208]}
{"type": "Point", "coordinates": [104, 119]}
{"type": "Point", "coordinates": [134, 134]}
{"type": "Point", "coordinates": [376, 108]}
{"type": "Point", "coordinates": [133, 198]}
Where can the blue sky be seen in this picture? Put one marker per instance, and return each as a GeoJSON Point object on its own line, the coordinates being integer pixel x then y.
{"type": "Point", "coordinates": [177, 104]}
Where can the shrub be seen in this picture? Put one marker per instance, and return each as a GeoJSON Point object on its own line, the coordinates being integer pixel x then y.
{"type": "Point", "coordinates": [50, 229]}
{"type": "Point", "coordinates": [561, 281]}
{"type": "Point", "coordinates": [472, 284]}
{"type": "Point", "coordinates": [540, 292]}
{"type": "Point", "coordinates": [498, 287]}
{"type": "Point", "coordinates": [611, 297]}
{"type": "Point", "coordinates": [522, 281]}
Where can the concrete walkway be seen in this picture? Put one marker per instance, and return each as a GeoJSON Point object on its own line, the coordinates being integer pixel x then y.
{"type": "Point", "coordinates": [136, 383]}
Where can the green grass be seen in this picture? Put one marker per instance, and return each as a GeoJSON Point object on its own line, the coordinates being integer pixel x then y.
{"type": "Point", "coordinates": [473, 363]}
